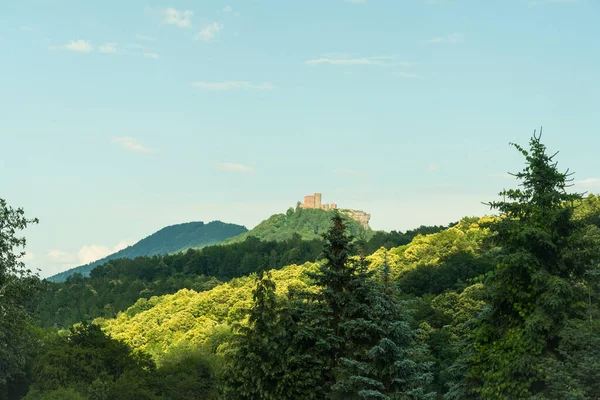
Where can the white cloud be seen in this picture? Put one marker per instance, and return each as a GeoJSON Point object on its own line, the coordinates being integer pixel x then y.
{"type": "Point", "coordinates": [131, 144]}
{"type": "Point", "coordinates": [182, 19]}
{"type": "Point", "coordinates": [28, 257]}
{"type": "Point", "coordinates": [227, 9]}
{"type": "Point", "coordinates": [154, 56]}
{"type": "Point", "coordinates": [209, 32]}
{"type": "Point", "coordinates": [86, 254]}
{"type": "Point", "coordinates": [230, 85]}
{"type": "Point", "coordinates": [60, 256]}
{"type": "Point", "coordinates": [452, 38]}
{"type": "Point", "coordinates": [121, 245]}
{"type": "Point", "coordinates": [237, 168]}
{"type": "Point", "coordinates": [108, 48]}
{"type": "Point", "coordinates": [90, 253]}
{"type": "Point", "coordinates": [432, 167]}
{"type": "Point", "coordinates": [356, 1]}
{"type": "Point", "coordinates": [144, 37]}
{"type": "Point", "coordinates": [79, 46]}
{"type": "Point", "coordinates": [341, 59]}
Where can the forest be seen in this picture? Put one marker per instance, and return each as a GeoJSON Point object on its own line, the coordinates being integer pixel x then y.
{"type": "Point", "coordinates": [503, 306]}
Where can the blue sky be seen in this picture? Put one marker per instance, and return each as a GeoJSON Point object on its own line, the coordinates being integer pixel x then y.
{"type": "Point", "coordinates": [121, 117]}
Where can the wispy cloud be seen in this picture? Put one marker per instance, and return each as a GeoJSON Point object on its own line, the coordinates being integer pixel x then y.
{"type": "Point", "coordinates": [144, 38]}
{"type": "Point", "coordinates": [227, 9]}
{"type": "Point", "coordinates": [233, 167]}
{"type": "Point", "coordinates": [108, 48]}
{"type": "Point", "coordinates": [152, 55]}
{"type": "Point", "coordinates": [356, 1]}
{"type": "Point", "coordinates": [209, 32]}
{"type": "Point", "coordinates": [131, 144]}
{"type": "Point", "coordinates": [349, 172]}
{"type": "Point", "coordinates": [433, 167]}
{"type": "Point", "coordinates": [230, 85]}
{"type": "Point", "coordinates": [78, 46]}
{"type": "Point", "coordinates": [180, 18]}
{"type": "Point", "coordinates": [452, 38]}
{"type": "Point", "coordinates": [383, 61]}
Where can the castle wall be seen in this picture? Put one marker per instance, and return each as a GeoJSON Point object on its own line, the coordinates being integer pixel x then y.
{"type": "Point", "coordinates": [314, 201]}
{"type": "Point", "coordinates": [309, 202]}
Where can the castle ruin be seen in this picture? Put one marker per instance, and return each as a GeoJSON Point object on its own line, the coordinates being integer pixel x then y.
{"type": "Point", "coordinates": [314, 201]}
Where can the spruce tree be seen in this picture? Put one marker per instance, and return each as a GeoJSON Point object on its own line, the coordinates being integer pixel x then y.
{"type": "Point", "coordinates": [535, 288]}
{"type": "Point", "coordinates": [254, 364]}
{"type": "Point", "coordinates": [279, 354]}
{"type": "Point", "coordinates": [370, 340]}
{"type": "Point", "coordinates": [380, 361]}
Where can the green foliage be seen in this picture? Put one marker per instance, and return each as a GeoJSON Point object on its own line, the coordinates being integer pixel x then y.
{"type": "Point", "coordinates": [188, 373]}
{"type": "Point", "coordinates": [118, 284]}
{"type": "Point", "coordinates": [371, 351]}
{"type": "Point", "coordinates": [59, 394]}
{"type": "Point", "coordinates": [256, 367]}
{"type": "Point", "coordinates": [380, 359]}
{"type": "Point", "coordinates": [18, 286]}
{"type": "Point", "coordinates": [160, 324]}
{"type": "Point", "coordinates": [168, 240]}
{"type": "Point", "coordinates": [535, 289]}
{"type": "Point", "coordinates": [395, 238]}
{"type": "Point", "coordinates": [444, 260]}
{"type": "Point", "coordinates": [308, 223]}
{"type": "Point", "coordinates": [84, 355]}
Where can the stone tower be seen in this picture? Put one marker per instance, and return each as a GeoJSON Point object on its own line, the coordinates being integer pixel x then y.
{"type": "Point", "coordinates": [317, 200]}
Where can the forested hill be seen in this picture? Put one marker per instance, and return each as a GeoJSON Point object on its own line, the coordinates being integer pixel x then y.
{"type": "Point", "coordinates": [168, 240]}
{"type": "Point", "coordinates": [308, 223]}
{"type": "Point", "coordinates": [118, 284]}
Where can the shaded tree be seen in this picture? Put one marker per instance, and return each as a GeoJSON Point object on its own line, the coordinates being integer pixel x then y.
{"type": "Point", "coordinates": [18, 287]}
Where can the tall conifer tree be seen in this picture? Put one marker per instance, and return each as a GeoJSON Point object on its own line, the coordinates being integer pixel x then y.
{"type": "Point", "coordinates": [534, 290]}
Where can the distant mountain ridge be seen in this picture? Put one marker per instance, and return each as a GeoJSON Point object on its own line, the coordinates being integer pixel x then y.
{"type": "Point", "coordinates": [170, 239]}
{"type": "Point", "coordinates": [309, 223]}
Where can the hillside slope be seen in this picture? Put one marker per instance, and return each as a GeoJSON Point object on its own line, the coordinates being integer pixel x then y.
{"type": "Point", "coordinates": [171, 239]}
{"type": "Point", "coordinates": [161, 323]}
{"type": "Point", "coordinates": [308, 223]}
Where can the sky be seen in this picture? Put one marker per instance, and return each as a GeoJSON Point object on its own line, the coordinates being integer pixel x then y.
{"type": "Point", "coordinates": [121, 117]}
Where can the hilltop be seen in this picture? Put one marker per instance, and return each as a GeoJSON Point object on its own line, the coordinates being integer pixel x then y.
{"type": "Point", "coordinates": [309, 223]}
{"type": "Point", "coordinates": [168, 240]}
